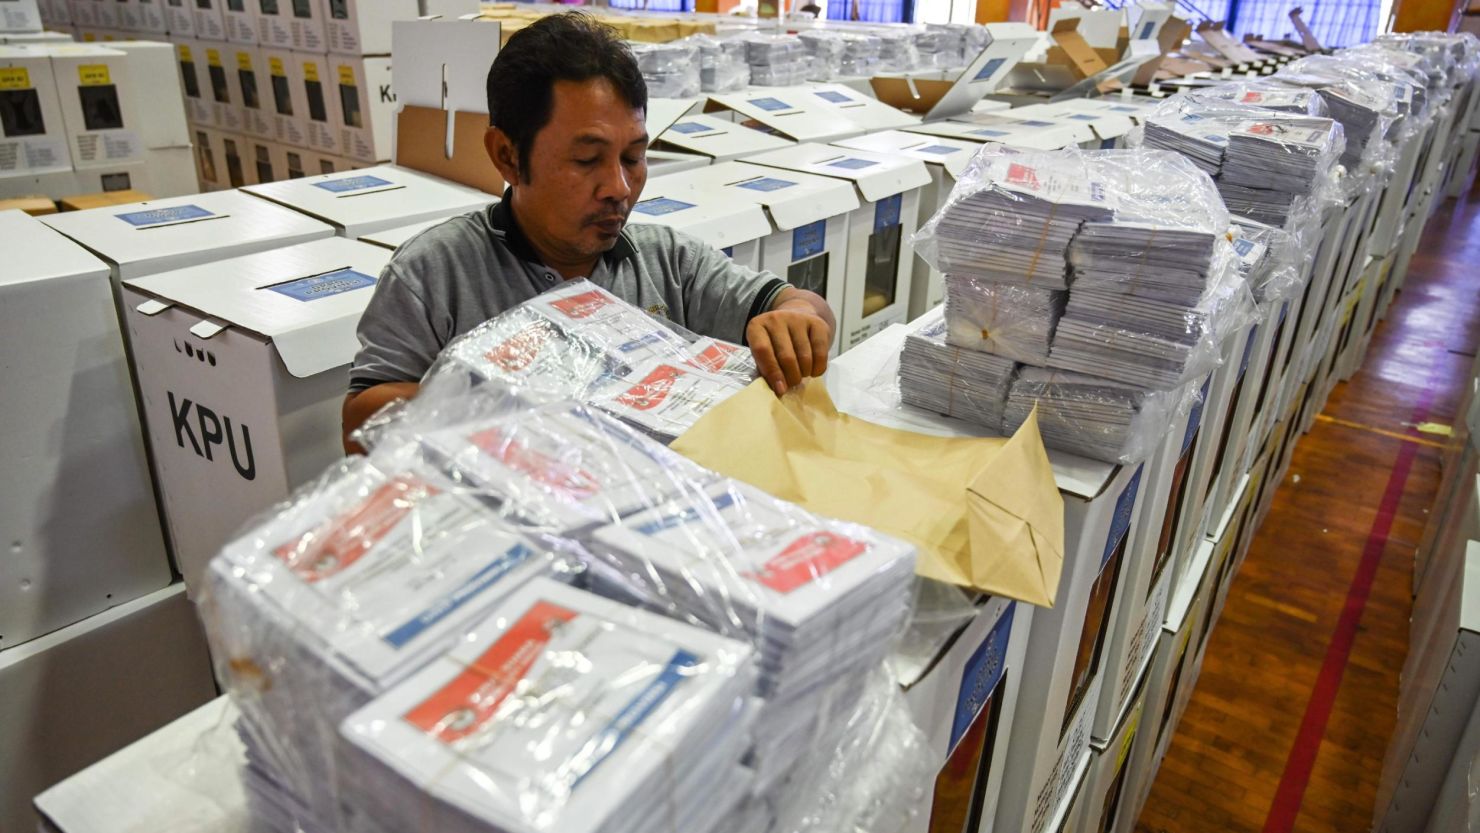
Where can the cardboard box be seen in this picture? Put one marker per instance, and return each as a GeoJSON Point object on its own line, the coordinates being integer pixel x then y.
{"type": "Point", "coordinates": [84, 12]}
{"type": "Point", "coordinates": [55, 14]}
{"type": "Point", "coordinates": [33, 133]}
{"type": "Point", "coordinates": [274, 24]}
{"type": "Point", "coordinates": [682, 202]}
{"type": "Point", "coordinates": [945, 159]}
{"type": "Point", "coordinates": [865, 111]}
{"type": "Point", "coordinates": [880, 255]}
{"type": "Point", "coordinates": [99, 102]}
{"type": "Point", "coordinates": [285, 99]}
{"type": "Point", "coordinates": [1004, 129]}
{"type": "Point", "coordinates": [666, 162]}
{"type": "Point", "coordinates": [964, 699]}
{"type": "Point", "coordinates": [225, 95]}
{"type": "Point", "coordinates": [251, 87]}
{"type": "Point", "coordinates": [179, 18]}
{"type": "Point", "coordinates": [263, 161]}
{"type": "Point", "coordinates": [81, 526]}
{"type": "Point", "coordinates": [809, 214]}
{"type": "Point", "coordinates": [250, 409]}
{"type": "Point", "coordinates": [294, 161]}
{"type": "Point", "coordinates": [156, 88]}
{"type": "Point", "coordinates": [312, 74]}
{"type": "Point", "coordinates": [170, 172]}
{"type": "Point", "coordinates": [1108, 784]}
{"type": "Point", "coordinates": [110, 679]}
{"type": "Point", "coordinates": [448, 101]}
{"type": "Point", "coordinates": [1069, 60]}
{"type": "Point", "coordinates": [367, 106]}
{"type": "Point", "coordinates": [147, 17]}
{"type": "Point", "coordinates": [52, 185]}
{"type": "Point", "coordinates": [936, 100]}
{"type": "Point", "coordinates": [20, 16]}
{"type": "Point", "coordinates": [1230, 542]}
{"type": "Point", "coordinates": [374, 199]}
{"type": "Point", "coordinates": [1110, 127]}
{"type": "Point", "coordinates": [240, 20]}
{"type": "Point", "coordinates": [149, 237]}
{"type": "Point", "coordinates": [307, 25]}
{"type": "Point", "coordinates": [210, 21]}
{"type": "Point", "coordinates": [363, 27]}
{"type": "Point", "coordinates": [195, 83]}
{"type": "Point", "coordinates": [209, 164]}
{"type": "Point", "coordinates": [34, 38]}
{"type": "Point", "coordinates": [396, 237]}
{"type": "Point", "coordinates": [235, 150]}
{"type": "Point", "coordinates": [718, 139]}
{"type": "Point", "coordinates": [786, 111]}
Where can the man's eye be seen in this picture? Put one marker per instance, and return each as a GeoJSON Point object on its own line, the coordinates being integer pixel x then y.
{"type": "Point", "coordinates": [633, 160]}
{"type": "Point", "coordinates": [591, 161]}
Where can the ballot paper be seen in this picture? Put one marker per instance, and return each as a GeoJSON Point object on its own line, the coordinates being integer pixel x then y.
{"type": "Point", "coordinates": [1144, 259]}
{"type": "Point", "coordinates": [561, 468]}
{"type": "Point", "coordinates": [776, 60]}
{"type": "Point", "coordinates": [724, 359]}
{"type": "Point", "coordinates": [1279, 154]}
{"type": "Point", "coordinates": [970, 384]}
{"type": "Point", "coordinates": [1142, 342]}
{"type": "Point", "coordinates": [671, 70]}
{"type": "Point", "coordinates": [1016, 227]}
{"type": "Point", "coordinates": [663, 399]}
{"type": "Point", "coordinates": [1091, 416]}
{"type": "Point", "coordinates": [1269, 95]}
{"type": "Point", "coordinates": [1014, 322]}
{"type": "Point", "coordinates": [1197, 137]}
{"type": "Point", "coordinates": [560, 710]}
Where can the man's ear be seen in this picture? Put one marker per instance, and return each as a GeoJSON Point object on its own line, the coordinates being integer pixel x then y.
{"type": "Point", "coordinates": [502, 153]}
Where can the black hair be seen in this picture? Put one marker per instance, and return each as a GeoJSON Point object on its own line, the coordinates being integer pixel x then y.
{"type": "Point", "coordinates": [571, 46]}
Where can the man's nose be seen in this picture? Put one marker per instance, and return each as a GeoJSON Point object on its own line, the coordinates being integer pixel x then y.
{"type": "Point", "coordinates": [615, 183]}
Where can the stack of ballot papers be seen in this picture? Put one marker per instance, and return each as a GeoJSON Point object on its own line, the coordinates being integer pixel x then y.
{"type": "Point", "coordinates": [664, 399]}
{"type": "Point", "coordinates": [1088, 415]}
{"type": "Point", "coordinates": [1144, 259]}
{"type": "Point", "coordinates": [775, 60]}
{"type": "Point", "coordinates": [1015, 224]}
{"type": "Point", "coordinates": [560, 710]}
{"type": "Point", "coordinates": [1290, 155]}
{"type": "Point", "coordinates": [1015, 322]}
{"type": "Point", "coordinates": [1268, 95]}
{"type": "Point", "coordinates": [1364, 112]}
{"type": "Point", "coordinates": [1197, 137]}
{"type": "Point", "coordinates": [671, 70]}
{"type": "Point", "coordinates": [724, 359]}
{"type": "Point", "coordinates": [962, 382]}
{"type": "Point", "coordinates": [1140, 341]}
{"type": "Point", "coordinates": [898, 50]}
{"type": "Point", "coordinates": [348, 590]}
{"type": "Point", "coordinates": [561, 468]}
{"type": "Point", "coordinates": [565, 343]}
{"type": "Point", "coordinates": [722, 66]}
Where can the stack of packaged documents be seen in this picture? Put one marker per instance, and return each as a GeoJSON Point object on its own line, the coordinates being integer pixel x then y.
{"type": "Point", "coordinates": [671, 70]}
{"type": "Point", "coordinates": [775, 60]}
{"type": "Point", "coordinates": [1014, 322]}
{"type": "Point", "coordinates": [969, 384]}
{"type": "Point", "coordinates": [664, 399]}
{"type": "Point", "coordinates": [1089, 415]}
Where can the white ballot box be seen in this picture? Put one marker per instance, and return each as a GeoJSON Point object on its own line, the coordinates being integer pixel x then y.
{"type": "Point", "coordinates": [682, 202]}
{"type": "Point", "coordinates": [360, 202]}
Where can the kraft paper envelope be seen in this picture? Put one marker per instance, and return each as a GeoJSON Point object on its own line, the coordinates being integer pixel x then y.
{"type": "Point", "coordinates": [984, 513]}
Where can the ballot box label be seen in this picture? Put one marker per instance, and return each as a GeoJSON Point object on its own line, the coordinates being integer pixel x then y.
{"type": "Point", "coordinates": [1121, 522]}
{"type": "Point", "coordinates": [689, 128]}
{"type": "Point", "coordinates": [165, 216]}
{"type": "Point", "coordinates": [940, 150]}
{"type": "Point", "coordinates": [833, 97]}
{"type": "Point", "coordinates": [767, 183]}
{"type": "Point", "coordinates": [658, 206]}
{"type": "Point", "coordinates": [852, 163]}
{"type": "Point", "coordinates": [770, 105]}
{"type": "Point", "coordinates": [808, 240]}
{"type": "Point", "coordinates": [886, 212]}
{"type": "Point", "coordinates": [989, 69]}
{"type": "Point", "coordinates": [350, 184]}
{"type": "Point", "coordinates": [327, 285]}
{"type": "Point", "coordinates": [981, 675]}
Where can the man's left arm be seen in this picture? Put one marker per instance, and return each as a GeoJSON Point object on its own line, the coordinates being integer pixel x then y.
{"type": "Point", "coordinates": [790, 341]}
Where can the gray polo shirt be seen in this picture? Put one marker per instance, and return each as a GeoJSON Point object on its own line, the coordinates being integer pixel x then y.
{"type": "Point", "coordinates": [458, 274]}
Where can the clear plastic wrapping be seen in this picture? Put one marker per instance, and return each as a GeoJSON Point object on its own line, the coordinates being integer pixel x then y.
{"type": "Point", "coordinates": [1365, 105]}
{"type": "Point", "coordinates": [899, 50]}
{"type": "Point", "coordinates": [938, 376]}
{"type": "Point", "coordinates": [1273, 261]}
{"type": "Point", "coordinates": [842, 54]}
{"type": "Point", "coordinates": [722, 64]}
{"type": "Point", "coordinates": [517, 613]}
{"type": "Point", "coordinates": [1016, 322]}
{"type": "Point", "coordinates": [671, 70]}
{"type": "Point", "coordinates": [944, 45]}
{"type": "Point", "coordinates": [1093, 416]}
{"type": "Point", "coordinates": [776, 60]}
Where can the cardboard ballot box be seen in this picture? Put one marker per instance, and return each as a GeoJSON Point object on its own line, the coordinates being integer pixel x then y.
{"type": "Point", "coordinates": [964, 699]}
{"type": "Point", "coordinates": [242, 366]}
{"type": "Point", "coordinates": [945, 159]}
{"type": "Point", "coordinates": [367, 106]}
{"type": "Point", "coordinates": [239, 17]}
{"type": "Point", "coordinates": [284, 98]}
{"type": "Point", "coordinates": [1108, 784]}
{"type": "Point", "coordinates": [33, 133]}
{"type": "Point", "coordinates": [880, 260]}
{"type": "Point", "coordinates": [394, 238]}
{"type": "Point", "coordinates": [251, 90]}
{"type": "Point", "coordinates": [718, 138]}
{"type": "Point", "coordinates": [79, 517]}
{"type": "Point", "coordinates": [1109, 125]}
{"type": "Point", "coordinates": [274, 23]}
{"type": "Point", "coordinates": [179, 18]}
{"type": "Point", "coordinates": [195, 82]}
{"type": "Point", "coordinates": [786, 111]}
{"type": "Point", "coordinates": [100, 105]}
{"type": "Point", "coordinates": [681, 201]}
{"type": "Point", "coordinates": [143, 238]}
{"type": "Point", "coordinates": [1004, 129]}
{"type": "Point", "coordinates": [306, 23]}
{"type": "Point", "coordinates": [323, 110]}
{"type": "Point", "coordinates": [861, 109]}
{"type": "Point", "coordinates": [359, 202]}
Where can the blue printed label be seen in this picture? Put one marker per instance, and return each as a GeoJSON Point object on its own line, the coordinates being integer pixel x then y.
{"type": "Point", "coordinates": [1121, 523]}
{"type": "Point", "coordinates": [729, 251]}
{"type": "Point", "coordinates": [315, 287]}
{"type": "Point", "coordinates": [989, 132]}
{"type": "Point", "coordinates": [165, 216]}
{"type": "Point", "coordinates": [659, 206]}
{"type": "Point", "coordinates": [852, 163]}
{"type": "Point", "coordinates": [352, 183]}
{"type": "Point", "coordinates": [770, 105]}
{"type": "Point", "coordinates": [1194, 420]}
{"type": "Point", "coordinates": [767, 183]}
{"type": "Point", "coordinates": [691, 127]}
{"type": "Point", "coordinates": [1243, 246]}
{"type": "Point", "coordinates": [989, 69]}
{"type": "Point", "coordinates": [834, 97]}
{"type": "Point", "coordinates": [1107, 144]}
{"type": "Point", "coordinates": [637, 710]}
{"type": "Point", "coordinates": [1248, 348]}
{"type": "Point", "coordinates": [886, 212]}
{"type": "Point", "coordinates": [480, 581]}
{"type": "Point", "coordinates": [808, 240]}
{"type": "Point", "coordinates": [939, 150]}
{"type": "Point", "coordinates": [1084, 117]}
{"type": "Point", "coordinates": [983, 671]}
{"type": "Point", "coordinates": [1037, 123]}
{"type": "Point", "coordinates": [689, 514]}
{"type": "Point", "coordinates": [1146, 30]}
{"type": "Point", "coordinates": [1121, 108]}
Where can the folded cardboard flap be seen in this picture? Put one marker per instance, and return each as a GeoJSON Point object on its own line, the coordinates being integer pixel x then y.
{"type": "Point", "coordinates": [1307, 37]}
{"type": "Point", "coordinates": [913, 95]}
{"type": "Point", "coordinates": [1169, 39]}
{"type": "Point", "coordinates": [1073, 51]}
{"type": "Point", "coordinates": [1230, 49]}
{"type": "Point", "coordinates": [421, 145]}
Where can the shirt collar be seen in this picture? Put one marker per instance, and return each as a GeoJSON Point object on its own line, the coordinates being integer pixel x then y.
{"type": "Point", "coordinates": [501, 217]}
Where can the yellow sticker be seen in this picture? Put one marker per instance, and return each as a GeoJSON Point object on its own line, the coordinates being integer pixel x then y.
{"type": "Point", "coordinates": [1134, 723]}
{"type": "Point", "coordinates": [310, 71]}
{"type": "Point", "coordinates": [93, 75]}
{"type": "Point", "coordinates": [88, 37]}
{"type": "Point", "coordinates": [185, 54]}
{"type": "Point", "coordinates": [15, 78]}
{"type": "Point", "coordinates": [346, 75]}
{"type": "Point", "coordinates": [1185, 638]}
{"type": "Point", "coordinates": [275, 66]}
{"type": "Point", "coordinates": [244, 61]}
{"type": "Point", "coordinates": [213, 57]}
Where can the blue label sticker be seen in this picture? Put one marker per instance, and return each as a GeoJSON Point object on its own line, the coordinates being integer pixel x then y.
{"type": "Point", "coordinates": [808, 240]}
{"type": "Point", "coordinates": [940, 150]}
{"type": "Point", "coordinates": [770, 105]}
{"type": "Point", "coordinates": [352, 183]}
{"type": "Point", "coordinates": [729, 251]}
{"type": "Point", "coordinates": [1084, 117]}
{"type": "Point", "coordinates": [1036, 123]}
{"type": "Point", "coordinates": [679, 668]}
{"type": "Point", "coordinates": [690, 514]}
{"type": "Point", "coordinates": [691, 127]}
{"type": "Point", "coordinates": [446, 606]}
{"type": "Point", "coordinates": [852, 163]}
{"type": "Point", "coordinates": [767, 183]}
{"type": "Point", "coordinates": [989, 69]}
{"type": "Point", "coordinates": [834, 97]}
{"type": "Point", "coordinates": [1248, 348]}
{"type": "Point", "coordinates": [1121, 108]}
{"type": "Point", "coordinates": [1194, 420]}
{"type": "Point", "coordinates": [658, 206]}
{"type": "Point", "coordinates": [886, 212]}
{"type": "Point", "coordinates": [1243, 246]}
{"type": "Point", "coordinates": [1120, 524]}
{"type": "Point", "coordinates": [1146, 30]}
{"type": "Point", "coordinates": [1107, 144]}
{"type": "Point", "coordinates": [161, 216]}
{"type": "Point", "coordinates": [327, 285]}
{"type": "Point", "coordinates": [989, 132]}
{"type": "Point", "coordinates": [979, 678]}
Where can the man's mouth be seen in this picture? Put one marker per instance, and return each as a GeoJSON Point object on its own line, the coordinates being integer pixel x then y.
{"type": "Point", "coordinates": [610, 225]}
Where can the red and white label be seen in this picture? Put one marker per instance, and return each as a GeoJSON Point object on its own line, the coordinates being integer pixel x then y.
{"type": "Point", "coordinates": [807, 559]}
{"type": "Point", "coordinates": [715, 357]}
{"type": "Point", "coordinates": [332, 549]}
{"type": "Point", "coordinates": [652, 390]}
{"type": "Point", "coordinates": [1019, 174]}
{"type": "Point", "coordinates": [583, 305]}
{"type": "Point", "coordinates": [471, 698]}
{"type": "Point", "coordinates": [520, 349]}
{"type": "Point", "coordinates": [570, 480]}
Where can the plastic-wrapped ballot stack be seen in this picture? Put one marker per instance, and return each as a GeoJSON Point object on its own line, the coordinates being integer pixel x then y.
{"type": "Point", "coordinates": [946, 45]}
{"type": "Point", "coordinates": [776, 60]}
{"type": "Point", "coordinates": [1013, 321]}
{"type": "Point", "coordinates": [671, 70]}
{"type": "Point", "coordinates": [722, 66]}
{"type": "Point", "coordinates": [899, 50]}
{"type": "Point", "coordinates": [841, 54]}
{"type": "Point", "coordinates": [941, 377]}
{"type": "Point", "coordinates": [1269, 259]}
{"type": "Point", "coordinates": [1090, 415]}
{"type": "Point", "coordinates": [1364, 106]}
{"type": "Point", "coordinates": [518, 614]}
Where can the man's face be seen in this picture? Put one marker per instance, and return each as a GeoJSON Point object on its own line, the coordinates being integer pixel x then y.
{"type": "Point", "coordinates": [587, 169]}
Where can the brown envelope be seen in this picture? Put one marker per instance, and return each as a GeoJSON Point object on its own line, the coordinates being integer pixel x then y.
{"type": "Point", "coordinates": [984, 513]}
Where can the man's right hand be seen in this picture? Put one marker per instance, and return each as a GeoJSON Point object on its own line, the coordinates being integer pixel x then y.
{"type": "Point", "coordinates": [359, 407]}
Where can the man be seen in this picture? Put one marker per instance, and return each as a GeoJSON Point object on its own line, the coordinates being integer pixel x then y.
{"type": "Point", "coordinates": [567, 107]}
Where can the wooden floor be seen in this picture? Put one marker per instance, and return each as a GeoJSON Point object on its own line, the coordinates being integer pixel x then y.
{"type": "Point", "coordinates": [1258, 706]}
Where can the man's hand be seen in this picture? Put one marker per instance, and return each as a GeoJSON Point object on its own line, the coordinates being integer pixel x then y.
{"type": "Point", "coordinates": [359, 407]}
{"type": "Point", "coordinates": [791, 340]}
